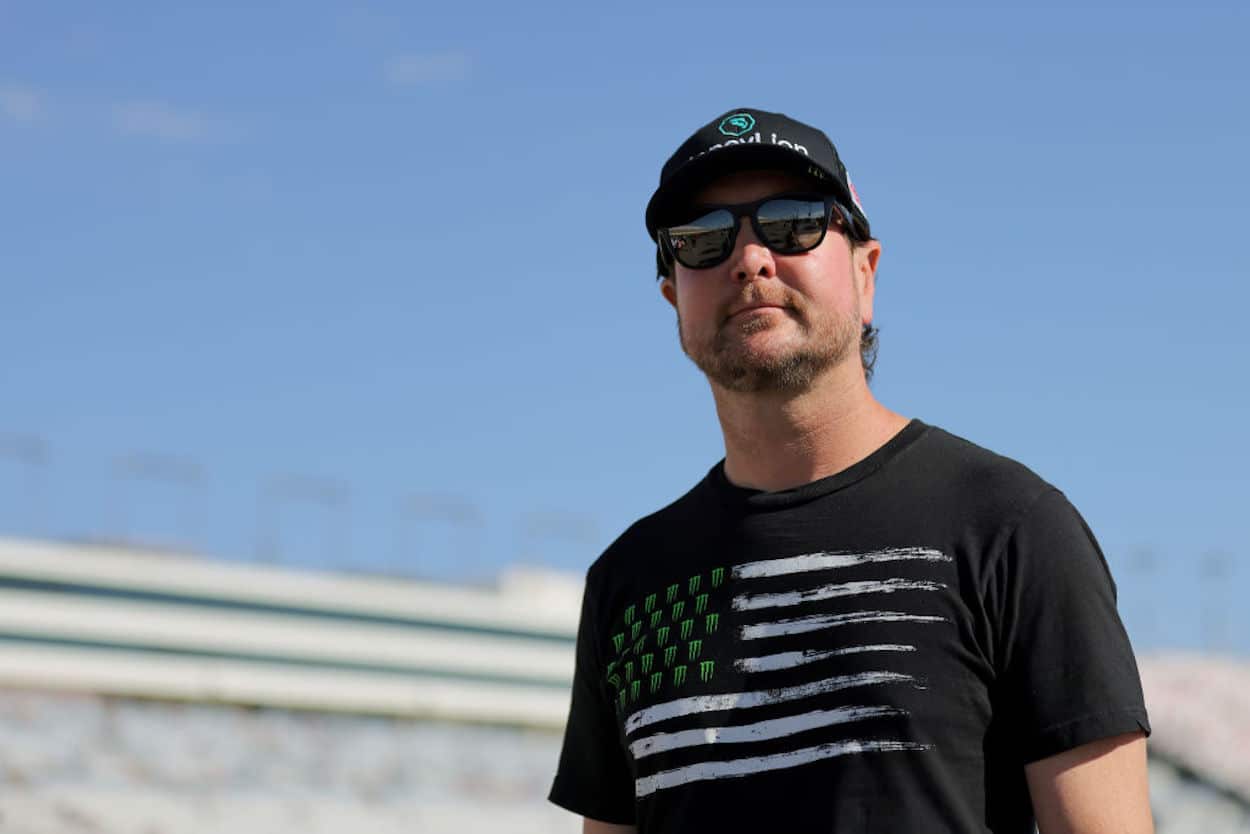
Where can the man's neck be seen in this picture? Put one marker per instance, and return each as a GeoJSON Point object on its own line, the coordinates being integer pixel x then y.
{"type": "Point", "coordinates": [780, 441]}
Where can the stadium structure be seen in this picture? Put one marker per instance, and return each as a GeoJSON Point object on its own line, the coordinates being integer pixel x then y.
{"type": "Point", "coordinates": [156, 692]}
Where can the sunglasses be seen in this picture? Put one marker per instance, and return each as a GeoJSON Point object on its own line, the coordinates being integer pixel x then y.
{"type": "Point", "coordinates": [787, 224]}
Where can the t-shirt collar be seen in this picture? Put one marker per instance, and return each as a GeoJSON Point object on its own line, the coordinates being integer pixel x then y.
{"type": "Point", "coordinates": [749, 500]}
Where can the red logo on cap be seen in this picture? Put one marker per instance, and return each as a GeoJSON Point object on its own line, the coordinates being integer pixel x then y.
{"type": "Point", "coordinates": [854, 193]}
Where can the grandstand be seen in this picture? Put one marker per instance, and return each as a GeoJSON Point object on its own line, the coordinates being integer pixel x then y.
{"type": "Point", "coordinates": [76, 762]}
{"type": "Point", "coordinates": [113, 621]}
{"type": "Point", "coordinates": [1200, 744]}
{"type": "Point", "coordinates": [162, 693]}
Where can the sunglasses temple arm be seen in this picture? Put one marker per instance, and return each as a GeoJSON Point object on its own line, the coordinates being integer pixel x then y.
{"type": "Point", "coordinates": [664, 259]}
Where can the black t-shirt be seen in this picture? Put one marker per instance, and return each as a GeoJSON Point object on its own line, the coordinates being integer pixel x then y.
{"type": "Point", "coordinates": [881, 650]}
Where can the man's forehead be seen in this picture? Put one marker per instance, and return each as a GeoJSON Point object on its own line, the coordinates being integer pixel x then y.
{"type": "Point", "coordinates": [747, 185]}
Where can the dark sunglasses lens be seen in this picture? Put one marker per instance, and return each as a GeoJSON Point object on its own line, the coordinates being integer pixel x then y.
{"type": "Point", "coordinates": [792, 226]}
{"type": "Point", "coordinates": [703, 242]}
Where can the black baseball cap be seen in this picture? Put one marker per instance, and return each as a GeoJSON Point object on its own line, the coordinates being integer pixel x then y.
{"type": "Point", "coordinates": [748, 138]}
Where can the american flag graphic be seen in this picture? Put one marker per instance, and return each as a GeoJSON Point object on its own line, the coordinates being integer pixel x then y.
{"type": "Point", "coordinates": [668, 643]}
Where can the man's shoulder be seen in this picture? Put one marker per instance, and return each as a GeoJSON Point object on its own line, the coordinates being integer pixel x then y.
{"type": "Point", "coordinates": [654, 528]}
{"type": "Point", "coordinates": [970, 472]}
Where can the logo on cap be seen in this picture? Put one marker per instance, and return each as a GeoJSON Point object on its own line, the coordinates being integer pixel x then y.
{"type": "Point", "coordinates": [737, 124]}
{"type": "Point", "coordinates": [854, 194]}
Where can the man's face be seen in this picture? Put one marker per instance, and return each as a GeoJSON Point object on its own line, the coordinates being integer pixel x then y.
{"type": "Point", "coordinates": [761, 321]}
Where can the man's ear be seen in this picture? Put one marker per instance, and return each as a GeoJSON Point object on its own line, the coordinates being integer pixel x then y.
{"type": "Point", "coordinates": [668, 289]}
{"type": "Point", "coordinates": [864, 261]}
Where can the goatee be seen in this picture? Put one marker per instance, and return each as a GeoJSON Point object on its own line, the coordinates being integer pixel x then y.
{"type": "Point", "coordinates": [728, 362]}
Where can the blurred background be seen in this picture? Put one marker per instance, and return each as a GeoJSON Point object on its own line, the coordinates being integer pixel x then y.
{"type": "Point", "coordinates": [331, 355]}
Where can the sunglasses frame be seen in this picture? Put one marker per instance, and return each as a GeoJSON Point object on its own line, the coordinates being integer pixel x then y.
{"type": "Point", "coordinates": [846, 225]}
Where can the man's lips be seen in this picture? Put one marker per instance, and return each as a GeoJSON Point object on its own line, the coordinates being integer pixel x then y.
{"type": "Point", "coordinates": [751, 307]}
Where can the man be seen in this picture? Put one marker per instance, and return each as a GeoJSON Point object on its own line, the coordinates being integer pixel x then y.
{"type": "Point", "coordinates": [856, 622]}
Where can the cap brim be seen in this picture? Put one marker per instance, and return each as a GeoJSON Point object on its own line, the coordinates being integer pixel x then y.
{"type": "Point", "coordinates": [698, 172]}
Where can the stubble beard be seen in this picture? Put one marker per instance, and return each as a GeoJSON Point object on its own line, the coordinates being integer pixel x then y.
{"type": "Point", "coordinates": [727, 360]}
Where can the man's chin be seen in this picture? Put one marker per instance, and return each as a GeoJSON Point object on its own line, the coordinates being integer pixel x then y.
{"type": "Point", "coordinates": [763, 371]}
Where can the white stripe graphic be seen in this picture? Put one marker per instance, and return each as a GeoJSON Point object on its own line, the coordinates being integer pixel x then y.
{"type": "Point", "coordinates": [801, 625]}
{"type": "Point", "coordinates": [773, 728]}
{"type": "Point", "coordinates": [787, 660]}
{"type": "Point", "coordinates": [824, 560]}
{"type": "Point", "coordinates": [752, 602]}
{"type": "Point", "coordinates": [742, 700]}
{"type": "Point", "coordinates": [797, 713]}
{"type": "Point", "coordinates": [648, 785]}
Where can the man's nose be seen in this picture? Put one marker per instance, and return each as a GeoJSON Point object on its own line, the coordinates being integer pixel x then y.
{"type": "Point", "coordinates": [750, 258]}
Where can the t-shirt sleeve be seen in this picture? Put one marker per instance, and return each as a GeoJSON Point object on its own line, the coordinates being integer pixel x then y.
{"type": "Point", "coordinates": [1066, 674]}
{"type": "Point", "coordinates": [593, 777]}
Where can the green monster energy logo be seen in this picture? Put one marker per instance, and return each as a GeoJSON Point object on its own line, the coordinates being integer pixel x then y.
{"type": "Point", "coordinates": [737, 124]}
{"type": "Point", "coordinates": [621, 672]}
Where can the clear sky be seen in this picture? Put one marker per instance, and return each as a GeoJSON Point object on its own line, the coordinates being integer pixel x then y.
{"type": "Point", "coordinates": [398, 248]}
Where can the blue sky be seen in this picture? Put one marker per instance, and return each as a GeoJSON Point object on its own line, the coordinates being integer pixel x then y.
{"type": "Point", "coordinates": [398, 251]}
